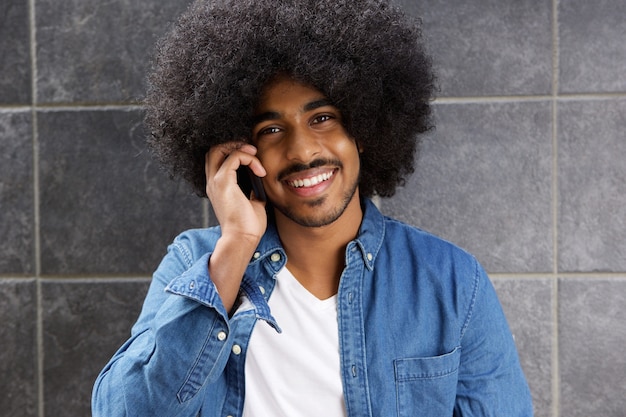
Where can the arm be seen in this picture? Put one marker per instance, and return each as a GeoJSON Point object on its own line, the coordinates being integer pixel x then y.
{"type": "Point", "coordinates": [181, 341]}
{"type": "Point", "coordinates": [491, 381]}
{"type": "Point", "coordinates": [243, 221]}
{"type": "Point", "coordinates": [150, 373]}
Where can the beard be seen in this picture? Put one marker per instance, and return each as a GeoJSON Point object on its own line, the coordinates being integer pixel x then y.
{"type": "Point", "coordinates": [324, 218]}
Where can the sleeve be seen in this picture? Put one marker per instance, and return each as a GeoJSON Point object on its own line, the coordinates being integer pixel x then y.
{"type": "Point", "coordinates": [179, 344]}
{"type": "Point", "coordinates": [491, 381]}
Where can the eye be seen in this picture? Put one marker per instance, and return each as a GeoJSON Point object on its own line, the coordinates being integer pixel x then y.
{"type": "Point", "coordinates": [267, 131]}
{"type": "Point", "coordinates": [322, 118]}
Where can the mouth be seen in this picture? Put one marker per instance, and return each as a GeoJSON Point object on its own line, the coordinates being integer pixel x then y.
{"type": "Point", "coordinates": [311, 181]}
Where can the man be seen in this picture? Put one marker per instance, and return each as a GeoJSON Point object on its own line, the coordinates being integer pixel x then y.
{"type": "Point", "coordinates": [308, 302]}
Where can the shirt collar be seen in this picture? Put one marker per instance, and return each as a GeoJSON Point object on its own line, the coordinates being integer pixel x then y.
{"type": "Point", "coordinates": [371, 233]}
{"type": "Point", "coordinates": [369, 239]}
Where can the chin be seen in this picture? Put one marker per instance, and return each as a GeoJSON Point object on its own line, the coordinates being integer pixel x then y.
{"type": "Point", "coordinates": [315, 213]}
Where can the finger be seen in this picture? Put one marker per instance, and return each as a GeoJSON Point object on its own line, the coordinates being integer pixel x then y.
{"type": "Point", "coordinates": [216, 156]}
{"type": "Point", "coordinates": [221, 168]}
{"type": "Point", "coordinates": [230, 156]}
{"type": "Point", "coordinates": [253, 163]}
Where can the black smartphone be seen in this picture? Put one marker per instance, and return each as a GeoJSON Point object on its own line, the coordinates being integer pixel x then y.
{"type": "Point", "coordinates": [249, 182]}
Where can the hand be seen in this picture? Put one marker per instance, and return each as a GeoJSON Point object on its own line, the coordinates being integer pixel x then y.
{"type": "Point", "coordinates": [238, 216]}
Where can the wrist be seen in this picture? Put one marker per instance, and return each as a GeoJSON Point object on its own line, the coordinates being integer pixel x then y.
{"type": "Point", "coordinates": [238, 243]}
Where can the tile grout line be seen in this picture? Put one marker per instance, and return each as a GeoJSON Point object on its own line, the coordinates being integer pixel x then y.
{"type": "Point", "coordinates": [555, 212]}
{"type": "Point", "coordinates": [529, 98]}
{"type": "Point", "coordinates": [591, 275]}
{"type": "Point", "coordinates": [440, 100]}
{"type": "Point", "coordinates": [73, 107]}
{"type": "Point", "coordinates": [36, 211]}
{"type": "Point", "coordinates": [93, 107]}
{"type": "Point", "coordinates": [35, 134]}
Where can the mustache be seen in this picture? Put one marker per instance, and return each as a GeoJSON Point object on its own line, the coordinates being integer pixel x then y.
{"type": "Point", "coordinates": [316, 163]}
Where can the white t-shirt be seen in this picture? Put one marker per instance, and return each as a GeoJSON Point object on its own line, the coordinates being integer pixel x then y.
{"type": "Point", "coordinates": [296, 372]}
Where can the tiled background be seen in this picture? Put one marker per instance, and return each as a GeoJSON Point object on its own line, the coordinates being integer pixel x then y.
{"type": "Point", "coordinates": [526, 169]}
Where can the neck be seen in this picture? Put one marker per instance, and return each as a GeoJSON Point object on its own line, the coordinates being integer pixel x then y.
{"type": "Point", "coordinates": [316, 255]}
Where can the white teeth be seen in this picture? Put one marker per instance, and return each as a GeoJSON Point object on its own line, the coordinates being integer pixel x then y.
{"type": "Point", "coordinates": [310, 182]}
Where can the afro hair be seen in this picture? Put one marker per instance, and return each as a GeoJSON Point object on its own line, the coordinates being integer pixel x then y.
{"type": "Point", "coordinates": [365, 56]}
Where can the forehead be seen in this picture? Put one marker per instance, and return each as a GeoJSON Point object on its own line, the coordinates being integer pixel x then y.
{"type": "Point", "coordinates": [285, 93]}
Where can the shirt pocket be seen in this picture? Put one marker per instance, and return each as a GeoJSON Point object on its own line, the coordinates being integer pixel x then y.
{"type": "Point", "coordinates": [427, 386]}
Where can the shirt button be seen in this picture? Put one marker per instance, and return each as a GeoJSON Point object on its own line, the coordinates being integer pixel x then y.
{"type": "Point", "coordinates": [221, 336]}
{"type": "Point", "coordinates": [262, 290]}
{"type": "Point", "coordinates": [369, 257]}
{"type": "Point", "coordinates": [236, 349]}
{"type": "Point", "coordinates": [275, 257]}
{"type": "Point", "coordinates": [256, 255]}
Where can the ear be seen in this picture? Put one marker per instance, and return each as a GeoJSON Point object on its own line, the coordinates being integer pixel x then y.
{"type": "Point", "coordinates": [359, 146]}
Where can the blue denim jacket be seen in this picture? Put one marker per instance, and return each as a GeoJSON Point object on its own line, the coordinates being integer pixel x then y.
{"type": "Point", "coordinates": [421, 332]}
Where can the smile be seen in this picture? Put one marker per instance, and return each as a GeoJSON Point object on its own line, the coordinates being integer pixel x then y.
{"type": "Point", "coordinates": [312, 181]}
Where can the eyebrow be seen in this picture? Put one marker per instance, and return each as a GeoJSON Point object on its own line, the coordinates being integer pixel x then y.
{"type": "Point", "coordinates": [272, 115]}
{"type": "Point", "coordinates": [317, 104]}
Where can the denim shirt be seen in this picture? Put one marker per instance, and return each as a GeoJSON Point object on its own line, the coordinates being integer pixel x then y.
{"type": "Point", "coordinates": [421, 332]}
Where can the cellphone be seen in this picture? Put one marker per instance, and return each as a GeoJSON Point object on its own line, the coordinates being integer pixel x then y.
{"type": "Point", "coordinates": [249, 182]}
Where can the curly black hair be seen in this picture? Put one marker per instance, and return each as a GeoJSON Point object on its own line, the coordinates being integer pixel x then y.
{"type": "Point", "coordinates": [365, 56]}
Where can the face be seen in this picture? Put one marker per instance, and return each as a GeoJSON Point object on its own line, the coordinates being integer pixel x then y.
{"type": "Point", "coordinates": [312, 164]}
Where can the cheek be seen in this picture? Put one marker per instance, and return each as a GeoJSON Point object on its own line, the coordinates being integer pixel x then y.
{"type": "Point", "coordinates": [271, 161]}
{"type": "Point", "coordinates": [267, 157]}
{"type": "Point", "coordinates": [350, 154]}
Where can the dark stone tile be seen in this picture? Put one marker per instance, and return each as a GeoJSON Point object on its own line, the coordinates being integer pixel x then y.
{"type": "Point", "coordinates": [94, 51]}
{"type": "Point", "coordinates": [18, 356]}
{"type": "Point", "coordinates": [106, 207]}
{"type": "Point", "coordinates": [592, 55]}
{"type": "Point", "coordinates": [84, 324]}
{"type": "Point", "coordinates": [528, 308]}
{"type": "Point", "coordinates": [16, 193]}
{"type": "Point", "coordinates": [483, 181]}
{"type": "Point", "coordinates": [15, 66]}
{"type": "Point", "coordinates": [490, 47]}
{"type": "Point", "coordinates": [592, 336]}
{"type": "Point", "coordinates": [592, 186]}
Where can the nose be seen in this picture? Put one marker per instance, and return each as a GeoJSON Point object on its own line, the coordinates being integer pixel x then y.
{"type": "Point", "coordinates": [302, 145]}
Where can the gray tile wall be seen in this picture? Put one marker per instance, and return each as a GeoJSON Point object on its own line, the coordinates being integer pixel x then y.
{"type": "Point", "coordinates": [525, 169]}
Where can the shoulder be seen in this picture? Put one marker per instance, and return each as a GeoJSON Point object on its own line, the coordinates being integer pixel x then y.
{"type": "Point", "coordinates": [436, 270]}
{"type": "Point", "coordinates": [424, 245]}
{"type": "Point", "coordinates": [393, 241]}
{"type": "Point", "coordinates": [194, 243]}
{"type": "Point", "coordinates": [435, 265]}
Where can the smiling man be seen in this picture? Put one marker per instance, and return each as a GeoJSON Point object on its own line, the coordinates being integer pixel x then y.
{"type": "Point", "coordinates": [301, 135]}
{"type": "Point", "coordinates": [308, 302]}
